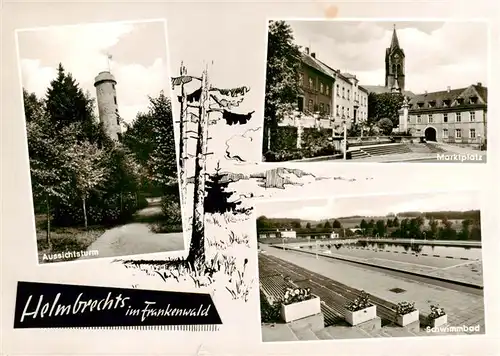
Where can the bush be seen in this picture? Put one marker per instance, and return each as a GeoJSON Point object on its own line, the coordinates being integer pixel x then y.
{"type": "Point", "coordinates": [436, 312]}
{"type": "Point", "coordinates": [296, 295]}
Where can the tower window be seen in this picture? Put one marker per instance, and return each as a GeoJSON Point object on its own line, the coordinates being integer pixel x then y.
{"type": "Point", "coordinates": [113, 86]}
{"type": "Point", "coordinates": [115, 100]}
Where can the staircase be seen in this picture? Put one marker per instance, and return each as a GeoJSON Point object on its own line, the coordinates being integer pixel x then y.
{"type": "Point", "coordinates": [434, 148]}
{"type": "Point", "coordinates": [380, 150]}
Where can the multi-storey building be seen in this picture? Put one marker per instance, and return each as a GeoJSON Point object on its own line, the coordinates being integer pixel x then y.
{"type": "Point", "coordinates": [450, 116]}
{"type": "Point", "coordinates": [328, 98]}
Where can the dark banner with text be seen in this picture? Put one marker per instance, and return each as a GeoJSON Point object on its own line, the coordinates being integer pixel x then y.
{"type": "Point", "coordinates": [47, 305]}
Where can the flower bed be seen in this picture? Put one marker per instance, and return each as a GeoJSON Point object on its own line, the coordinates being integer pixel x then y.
{"type": "Point", "coordinates": [406, 313]}
{"type": "Point", "coordinates": [299, 303]}
{"type": "Point", "coordinates": [360, 310]}
{"type": "Point", "coordinates": [437, 317]}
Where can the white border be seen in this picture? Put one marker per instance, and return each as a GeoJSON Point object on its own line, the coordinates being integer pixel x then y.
{"type": "Point", "coordinates": [166, 254]}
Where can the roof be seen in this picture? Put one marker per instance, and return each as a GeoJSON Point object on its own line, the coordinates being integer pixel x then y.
{"type": "Point", "coordinates": [394, 41]}
{"type": "Point", "coordinates": [438, 97]}
{"type": "Point", "coordinates": [363, 89]}
{"type": "Point", "coordinates": [317, 65]}
{"type": "Point", "coordinates": [380, 89]}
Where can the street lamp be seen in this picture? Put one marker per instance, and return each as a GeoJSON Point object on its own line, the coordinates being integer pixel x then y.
{"type": "Point", "coordinates": [344, 122]}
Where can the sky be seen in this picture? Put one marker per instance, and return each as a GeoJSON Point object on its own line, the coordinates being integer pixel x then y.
{"type": "Point", "coordinates": [370, 205]}
{"type": "Point", "coordinates": [139, 59]}
{"type": "Point", "coordinates": [437, 54]}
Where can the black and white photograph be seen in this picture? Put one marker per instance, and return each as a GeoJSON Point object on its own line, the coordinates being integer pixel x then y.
{"type": "Point", "coordinates": [373, 91]}
{"type": "Point", "coordinates": [371, 266]}
{"type": "Point", "coordinates": [101, 141]}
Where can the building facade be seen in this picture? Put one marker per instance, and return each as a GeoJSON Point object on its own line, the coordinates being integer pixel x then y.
{"type": "Point", "coordinates": [316, 84]}
{"type": "Point", "coordinates": [107, 104]}
{"type": "Point", "coordinates": [456, 116]}
{"type": "Point", "coordinates": [328, 98]}
{"type": "Point", "coordinates": [350, 99]}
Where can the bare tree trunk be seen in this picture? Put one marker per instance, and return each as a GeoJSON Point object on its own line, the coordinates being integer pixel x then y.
{"type": "Point", "coordinates": [197, 246]}
{"type": "Point", "coordinates": [84, 212]}
{"type": "Point", "coordinates": [183, 149]}
{"type": "Point", "coordinates": [48, 221]}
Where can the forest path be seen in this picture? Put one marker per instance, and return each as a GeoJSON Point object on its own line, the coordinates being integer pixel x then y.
{"type": "Point", "coordinates": [136, 237]}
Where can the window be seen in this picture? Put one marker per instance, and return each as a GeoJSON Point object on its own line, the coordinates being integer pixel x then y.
{"type": "Point", "coordinates": [458, 117]}
{"type": "Point", "coordinates": [348, 114]}
{"type": "Point", "coordinates": [342, 111]}
{"type": "Point", "coordinates": [472, 115]}
{"type": "Point", "coordinates": [338, 90]}
{"type": "Point", "coordinates": [460, 101]}
{"type": "Point", "coordinates": [348, 94]}
{"type": "Point", "coordinates": [458, 133]}
{"type": "Point", "coordinates": [115, 101]}
{"type": "Point", "coordinates": [337, 111]}
{"type": "Point", "coordinates": [446, 103]}
{"type": "Point", "coordinates": [328, 90]}
{"type": "Point", "coordinates": [343, 92]}
{"type": "Point", "coordinates": [432, 104]}
{"type": "Point", "coordinates": [301, 78]}
{"type": "Point", "coordinates": [472, 133]}
{"type": "Point", "coordinates": [420, 105]}
{"type": "Point", "coordinates": [328, 108]}
{"type": "Point", "coordinates": [445, 133]}
{"type": "Point", "coordinates": [321, 88]}
{"type": "Point", "coordinates": [310, 106]}
{"type": "Point", "coordinates": [473, 100]}
{"type": "Point", "coordinates": [430, 119]}
{"type": "Point", "coordinates": [445, 117]}
{"type": "Point", "coordinates": [419, 119]}
{"type": "Point", "coordinates": [113, 86]}
{"type": "Point", "coordinates": [321, 107]}
{"type": "Point", "coordinates": [311, 84]}
{"type": "Point", "coordinates": [119, 136]}
{"type": "Point", "coordinates": [300, 104]}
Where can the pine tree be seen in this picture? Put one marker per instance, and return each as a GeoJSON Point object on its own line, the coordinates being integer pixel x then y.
{"type": "Point", "coordinates": [67, 104]}
{"type": "Point", "coordinates": [217, 197]}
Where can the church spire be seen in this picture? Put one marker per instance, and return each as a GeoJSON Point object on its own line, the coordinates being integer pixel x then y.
{"type": "Point", "coordinates": [394, 41]}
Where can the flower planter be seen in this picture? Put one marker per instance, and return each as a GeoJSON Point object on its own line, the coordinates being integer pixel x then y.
{"type": "Point", "coordinates": [406, 319]}
{"type": "Point", "coordinates": [440, 321]}
{"type": "Point", "coordinates": [300, 310]}
{"type": "Point", "coordinates": [360, 316]}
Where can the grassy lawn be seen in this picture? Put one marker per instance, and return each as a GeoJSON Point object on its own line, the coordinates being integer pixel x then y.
{"type": "Point", "coordinates": [64, 239]}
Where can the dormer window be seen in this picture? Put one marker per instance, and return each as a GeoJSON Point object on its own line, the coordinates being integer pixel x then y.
{"type": "Point", "coordinates": [432, 104]}
{"type": "Point", "coordinates": [473, 100]}
{"type": "Point", "coordinates": [420, 105]}
{"type": "Point", "coordinates": [460, 101]}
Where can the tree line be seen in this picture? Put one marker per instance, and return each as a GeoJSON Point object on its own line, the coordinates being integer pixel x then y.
{"type": "Point", "coordinates": [419, 227]}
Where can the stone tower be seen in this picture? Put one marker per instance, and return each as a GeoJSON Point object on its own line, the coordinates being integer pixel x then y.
{"type": "Point", "coordinates": [394, 64]}
{"type": "Point", "coordinates": [105, 85]}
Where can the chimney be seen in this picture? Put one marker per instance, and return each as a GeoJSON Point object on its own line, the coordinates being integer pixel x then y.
{"type": "Point", "coordinates": [425, 93]}
{"type": "Point", "coordinates": [479, 84]}
{"type": "Point", "coordinates": [313, 55]}
{"type": "Point", "coordinates": [307, 50]}
{"type": "Point", "coordinates": [448, 89]}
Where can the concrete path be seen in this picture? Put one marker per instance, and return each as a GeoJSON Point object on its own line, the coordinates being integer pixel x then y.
{"type": "Point", "coordinates": [462, 308]}
{"type": "Point", "coordinates": [136, 238]}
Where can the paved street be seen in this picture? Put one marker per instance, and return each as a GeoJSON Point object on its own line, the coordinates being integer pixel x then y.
{"type": "Point", "coordinates": [136, 238]}
{"type": "Point", "coordinates": [462, 308]}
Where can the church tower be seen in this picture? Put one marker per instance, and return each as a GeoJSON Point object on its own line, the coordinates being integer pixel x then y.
{"type": "Point", "coordinates": [394, 64]}
{"type": "Point", "coordinates": [105, 85]}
